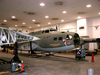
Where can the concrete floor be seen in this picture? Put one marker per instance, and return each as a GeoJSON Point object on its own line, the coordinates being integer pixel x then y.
{"type": "Point", "coordinates": [58, 64]}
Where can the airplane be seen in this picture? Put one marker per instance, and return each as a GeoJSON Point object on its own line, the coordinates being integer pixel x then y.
{"type": "Point", "coordinates": [53, 41]}
{"type": "Point", "coordinates": [47, 40]}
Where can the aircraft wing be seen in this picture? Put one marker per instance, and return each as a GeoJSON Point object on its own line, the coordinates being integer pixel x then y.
{"type": "Point", "coordinates": [10, 37]}
{"type": "Point", "coordinates": [90, 40]}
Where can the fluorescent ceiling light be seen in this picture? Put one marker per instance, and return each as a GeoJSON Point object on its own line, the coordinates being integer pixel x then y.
{"type": "Point", "coordinates": [42, 4]}
{"type": "Point", "coordinates": [33, 20]}
{"type": "Point", "coordinates": [13, 17]}
{"type": "Point", "coordinates": [46, 16]}
{"type": "Point", "coordinates": [64, 12]}
{"type": "Point", "coordinates": [88, 5]}
{"type": "Point", "coordinates": [79, 17]}
{"type": "Point", "coordinates": [49, 23]}
{"type": "Point", "coordinates": [15, 25]}
{"type": "Point", "coordinates": [38, 25]}
{"type": "Point", "coordinates": [4, 20]}
{"type": "Point", "coordinates": [23, 23]}
{"type": "Point", "coordinates": [62, 20]}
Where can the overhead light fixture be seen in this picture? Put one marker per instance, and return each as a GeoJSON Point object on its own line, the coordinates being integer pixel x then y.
{"type": "Point", "coordinates": [59, 3]}
{"type": "Point", "coordinates": [15, 25]}
{"type": "Point", "coordinates": [79, 17]}
{"type": "Point", "coordinates": [30, 27]}
{"type": "Point", "coordinates": [88, 5]}
{"type": "Point", "coordinates": [64, 12]}
{"type": "Point", "coordinates": [42, 4]}
{"type": "Point", "coordinates": [33, 20]}
{"type": "Point", "coordinates": [23, 23]}
{"type": "Point", "coordinates": [99, 13]}
{"type": "Point", "coordinates": [46, 16]}
{"type": "Point", "coordinates": [38, 25]}
{"type": "Point", "coordinates": [62, 20]}
{"type": "Point", "coordinates": [13, 17]}
{"type": "Point", "coordinates": [49, 23]}
{"type": "Point", "coordinates": [4, 20]}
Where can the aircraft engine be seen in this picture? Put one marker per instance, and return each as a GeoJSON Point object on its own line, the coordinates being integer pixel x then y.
{"type": "Point", "coordinates": [76, 40]}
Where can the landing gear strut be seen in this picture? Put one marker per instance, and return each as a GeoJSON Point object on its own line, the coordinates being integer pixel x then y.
{"type": "Point", "coordinates": [33, 54]}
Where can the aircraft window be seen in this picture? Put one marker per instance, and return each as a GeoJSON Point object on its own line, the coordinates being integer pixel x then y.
{"type": "Point", "coordinates": [52, 30]}
{"type": "Point", "coordinates": [60, 38]}
{"type": "Point", "coordinates": [68, 37]}
{"type": "Point", "coordinates": [43, 32]}
{"type": "Point", "coordinates": [46, 31]}
{"type": "Point", "coordinates": [46, 37]}
{"type": "Point", "coordinates": [55, 39]}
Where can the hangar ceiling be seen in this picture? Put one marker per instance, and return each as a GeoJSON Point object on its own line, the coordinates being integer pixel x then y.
{"type": "Point", "coordinates": [29, 13]}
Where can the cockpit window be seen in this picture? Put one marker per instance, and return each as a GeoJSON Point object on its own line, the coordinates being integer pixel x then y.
{"type": "Point", "coordinates": [55, 39]}
{"type": "Point", "coordinates": [69, 37]}
{"type": "Point", "coordinates": [46, 31]}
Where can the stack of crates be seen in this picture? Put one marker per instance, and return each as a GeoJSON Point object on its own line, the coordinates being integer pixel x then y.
{"type": "Point", "coordinates": [80, 53]}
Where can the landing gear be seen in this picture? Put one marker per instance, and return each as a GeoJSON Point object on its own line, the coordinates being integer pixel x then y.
{"type": "Point", "coordinates": [33, 54]}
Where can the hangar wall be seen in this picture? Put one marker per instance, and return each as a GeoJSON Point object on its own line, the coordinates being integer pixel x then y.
{"type": "Point", "coordinates": [92, 31]}
{"type": "Point", "coordinates": [23, 30]}
{"type": "Point", "coordinates": [71, 26]}
{"type": "Point", "coordinates": [43, 28]}
{"type": "Point", "coordinates": [61, 27]}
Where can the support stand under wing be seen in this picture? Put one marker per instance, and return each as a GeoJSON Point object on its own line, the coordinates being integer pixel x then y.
{"type": "Point", "coordinates": [16, 58]}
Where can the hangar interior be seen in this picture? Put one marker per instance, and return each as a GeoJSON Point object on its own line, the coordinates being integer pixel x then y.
{"type": "Point", "coordinates": [78, 16]}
